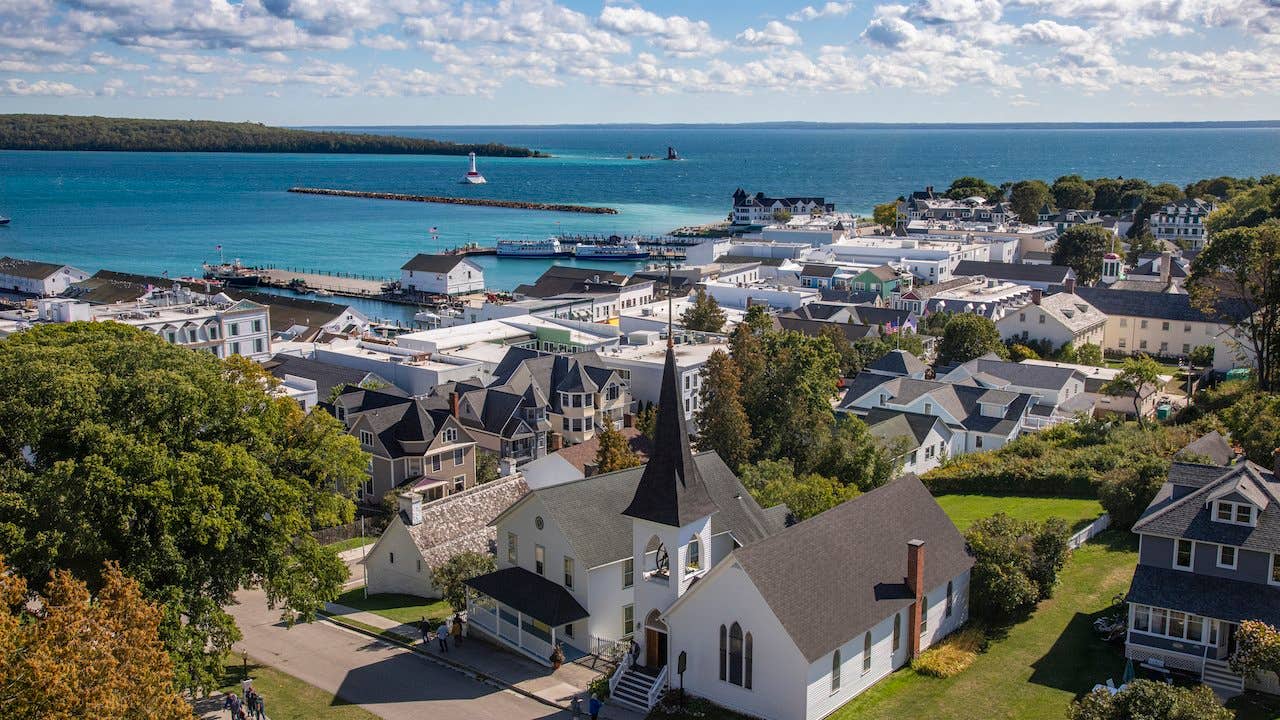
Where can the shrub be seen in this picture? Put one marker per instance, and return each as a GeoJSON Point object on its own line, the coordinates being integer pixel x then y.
{"type": "Point", "coordinates": [1150, 700]}
{"type": "Point", "coordinates": [1016, 563]}
{"type": "Point", "coordinates": [599, 686]}
{"type": "Point", "coordinates": [1125, 492]}
{"type": "Point", "coordinates": [953, 655]}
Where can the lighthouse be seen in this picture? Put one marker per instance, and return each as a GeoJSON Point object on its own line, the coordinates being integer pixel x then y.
{"type": "Point", "coordinates": [473, 176]}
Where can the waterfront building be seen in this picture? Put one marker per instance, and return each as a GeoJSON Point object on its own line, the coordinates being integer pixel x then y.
{"type": "Point", "coordinates": [1182, 222]}
{"type": "Point", "coordinates": [928, 205]}
{"type": "Point", "coordinates": [759, 210]}
{"type": "Point", "coordinates": [41, 279]}
{"type": "Point", "coordinates": [441, 275]}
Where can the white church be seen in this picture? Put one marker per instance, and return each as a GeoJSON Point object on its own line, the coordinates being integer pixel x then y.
{"type": "Point", "coordinates": [720, 595]}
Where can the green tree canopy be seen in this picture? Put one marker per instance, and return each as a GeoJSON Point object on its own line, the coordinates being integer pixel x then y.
{"type": "Point", "coordinates": [1071, 192]}
{"type": "Point", "coordinates": [1126, 491]}
{"type": "Point", "coordinates": [1081, 248]}
{"type": "Point", "coordinates": [1089, 354]}
{"type": "Point", "coordinates": [704, 315]}
{"type": "Point", "coordinates": [854, 457]}
{"type": "Point", "coordinates": [451, 577]}
{"type": "Point", "coordinates": [886, 214]}
{"type": "Point", "coordinates": [970, 336]}
{"type": "Point", "coordinates": [1249, 207]}
{"type": "Point", "coordinates": [1221, 188]}
{"type": "Point", "coordinates": [723, 425]}
{"type": "Point", "coordinates": [1027, 197]}
{"type": "Point", "coordinates": [1106, 194]}
{"type": "Point", "coordinates": [1149, 700]}
{"type": "Point", "coordinates": [969, 186]}
{"type": "Point", "coordinates": [179, 466]}
{"type": "Point", "coordinates": [805, 495]}
{"type": "Point", "coordinates": [1140, 378]}
{"type": "Point", "coordinates": [1016, 563]}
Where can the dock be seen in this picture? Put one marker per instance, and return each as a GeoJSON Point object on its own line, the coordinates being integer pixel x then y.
{"type": "Point", "coordinates": [481, 202]}
{"type": "Point", "coordinates": [348, 284]}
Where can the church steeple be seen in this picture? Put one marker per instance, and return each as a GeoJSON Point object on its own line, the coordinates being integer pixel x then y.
{"type": "Point", "coordinates": [671, 490]}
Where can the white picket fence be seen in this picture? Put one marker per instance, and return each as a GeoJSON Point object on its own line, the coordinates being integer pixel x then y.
{"type": "Point", "coordinates": [1087, 533]}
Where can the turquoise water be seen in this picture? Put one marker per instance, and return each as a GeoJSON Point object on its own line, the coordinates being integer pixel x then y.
{"type": "Point", "coordinates": [153, 212]}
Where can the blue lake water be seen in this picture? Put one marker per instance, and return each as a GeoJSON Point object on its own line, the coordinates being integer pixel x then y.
{"type": "Point", "coordinates": [153, 212]}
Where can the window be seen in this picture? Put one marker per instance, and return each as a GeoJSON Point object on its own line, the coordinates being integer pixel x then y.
{"type": "Point", "coordinates": [1142, 344]}
{"type": "Point", "coordinates": [257, 345]}
{"type": "Point", "coordinates": [977, 441]}
{"type": "Point", "coordinates": [724, 653]}
{"type": "Point", "coordinates": [928, 408]}
{"type": "Point", "coordinates": [568, 630]}
{"type": "Point", "coordinates": [1275, 568]}
{"type": "Point", "coordinates": [235, 348]}
{"type": "Point", "coordinates": [1164, 326]}
{"type": "Point", "coordinates": [213, 332]}
{"type": "Point", "coordinates": [735, 654]}
{"type": "Point", "coordinates": [1171, 623]}
{"type": "Point", "coordinates": [392, 558]}
{"type": "Point", "coordinates": [1041, 318]}
{"type": "Point", "coordinates": [1143, 324]}
{"type": "Point", "coordinates": [568, 572]}
{"type": "Point", "coordinates": [234, 329]}
{"type": "Point", "coordinates": [897, 632]}
{"type": "Point", "coordinates": [866, 653]}
{"type": "Point", "coordinates": [1186, 327]}
{"type": "Point", "coordinates": [566, 424]}
{"type": "Point", "coordinates": [628, 620]}
{"type": "Point", "coordinates": [1244, 514]}
{"type": "Point", "coordinates": [419, 564]}
{"type": "Point", "coordinates": [451, 435]}
{"type": "Point", "coordinates": [1182, 558]}
{"type": "Point", "coordinates": [366, 438]}
{"type": "Point", "coordinates": [746, 675]}
{"type": "Point", "coordinates": [459, 483]}
{"type": "Point", "coordinates": [1236, 513]}
{"type": "Point", "coordinates": [1022, 317]}
{"type": "Point", "coordinates": [924, 614]}
{"type": "Point", "coordinates": [539, 559]}
{"type": "Point", "coordinates": [694, 560]}
{"type": "Point", "coordinates": [458, 455]}
{"type": "Point", "coordinates": [948, 598]}
{"type": "Point", "coordinates": [435, 463]}
{"type": "Point", "coordinates": [1226, 556]}
{"type": "Point", "coordinates": [257, 326]}
{"type": "Point", "coordinates": [1124, 322]}
{"type": "Point", "coordinates": [835, 671]}
{"type": "Point", "coordinates": [1123, 343]}
{"type": "Point", "coordinates": [513, 548]}
{"type": "Point", "coordinates": [628, 573]}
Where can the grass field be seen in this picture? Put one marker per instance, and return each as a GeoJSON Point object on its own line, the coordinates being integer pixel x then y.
{"type": "Point", "coordinates": [964, 509]}
{"type": "Point", "coordinates": [401, 608]}
{"type": "Point", "coordinates": [351, 543]}
{"type": "Point", "coordinates": [1033, 669]}
{"type": "Point", "coordinates": [288, 698]}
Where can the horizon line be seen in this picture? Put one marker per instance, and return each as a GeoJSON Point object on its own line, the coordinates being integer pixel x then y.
{"type": "Point", "coordinates": [802, 124]}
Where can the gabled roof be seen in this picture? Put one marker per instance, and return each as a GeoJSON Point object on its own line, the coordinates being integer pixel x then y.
{"type": "Point", "coordinates": [288, 311]}
{"type": "Point", "coordinates": [1159, 305]}
{"type": "Point", "coordinates": [326, 375]}
{"type": "Point", "coordinates": [816, 270]}
{"type": "Point", "coordinates": [835, 575]}
{"type": "Point", "coordinates": [423, 262]}
{"type": "Point", "coordinates": [962, 402]}
{"type": "Point", "coordinates": [889, 425]}
{"type": "Point", "coordinates": [460, 522]}
{"type": "Point", "coordinates": [671, 490]}
{"type": "Point", "coordinates": [33, 269]}
{"type": "Point", "coordinates": [900, 363]}
{"type": "Point", "coordinates": [1211, 445]}
{"type": "Point", "coordinates": [398, 422]}
{"type": "Point", "coordinates": [989, 368]}
{"type": "Point", "coordinates": [1186, 516]}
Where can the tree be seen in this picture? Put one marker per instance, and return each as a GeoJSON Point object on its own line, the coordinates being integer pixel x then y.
{"type": "Point", "coordinates": [487, 468]}
{"type": "Point", "coordinates": [179, 466]}
{"type": "Point", "coordinates": [805, 495]}
{"type": "Point", "coordinates": [1019, 352]}
{"type": "Point", "coordinates": [969, 186]}
{"type": "Point", "coordinates": [1236, 279]}
{"type": "Point", "coordinates": [885, 215]}
{"type": "Point", "coordinates": [451, 577]}
{"type": "Point", "coordinates": [647, 420]}
{"type": "Point", "coordinates": [1149, 700]}
{"type": "Point", "coordinates": [1257, 649]}
{"type": "Point", "coordinates": [782, 216]}
{"type": "Point", "coordinates": [1089, 354]}
{"type": "Point", "coordinates": [853, 456]}
{"type": "Point", "coordinates": [1049, 553]}
{"type": "Point", "coordinates": [1081, 247]}
{"type": "Point", "coordinates": [1201, 356]}
{"type": "Point", "coordinates": [970, 336]}
{"type": "Point", "coordinates": [1027, 197]}
{"type": "Point", "coordinates": [1221, 188]}
{"type": "Point", "coordinates": [1248, 208]}
{"type": "Point", "coordinates": [723, 425]}
{"type": "Point", "coordinates": [789, 403]}
{"type": "Point", "coordinates": [1071, 192]}
{"type": "Point", "coordinates": [1145, 243]}
{"type": "Point", "coordinates": [1016, 563]}
{"type": "Point", "coordinates": [1106, 194]}
{"type": "Point", "coordinates": [1139, 377]}
{"type": "Point", "coordinates": [704, 315]}
{"type": "Point", "coordinates": [936, 323]}
{"type": "Point", "coordinates": [614, 452]}
{"type": "Point", "coordinates": [83, 656]}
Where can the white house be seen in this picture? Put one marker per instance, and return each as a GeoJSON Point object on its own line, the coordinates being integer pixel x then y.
{"type": "Point", "coordinates": [921, 442]}
{"type": "Point", "coordinates": [37, 278]}
{"type": "Point", "coordinates": [1182, 222]}
{"type": "Point", "coordinates": [1060, 318]}
{"type": "Point", "coordinates": [441, 275]}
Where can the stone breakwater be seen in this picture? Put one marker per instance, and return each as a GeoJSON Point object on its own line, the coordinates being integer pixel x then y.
{"type": "Point", "coordinates": [484, 202]}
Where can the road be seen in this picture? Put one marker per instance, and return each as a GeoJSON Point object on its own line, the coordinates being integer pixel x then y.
{"type": "Point", "coordinates": [390, 682]}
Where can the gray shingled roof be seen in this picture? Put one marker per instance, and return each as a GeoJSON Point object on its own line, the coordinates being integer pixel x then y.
{"type": "Point", "coordinates": [461, 521]}
{"type": "Point", "coordinates": [1193, 475]}
{"type": "Point", "coordinates": [1209, 596]}
{"type": "Point", "coordinates": [1211, 445]}
{"type": "Point", "coordinates": [898, 362]}
{"type": "Point", "coordinates": [817, 270]}
{"type": "Point", "coordinates": [889, 425]}
{"type": "Point", "coordinates": [1054, 274]}
{"type": "Point", "coordinates": [326, 375]}
{"type": "Point", "coordinates": [1186, 516]}
{"type": "Point", "coordinates": [1047, 377]}
{"type": "Point", "coordinates": [835, 575]}
{"type": "Point", "coordinates": [33, 269]}
{"type": "Point", "coordinates": [423, 262]}
{"type": "Point", "coordinates": [1158, 305]}
{"type": "Point", "coordinates": [589, 511]}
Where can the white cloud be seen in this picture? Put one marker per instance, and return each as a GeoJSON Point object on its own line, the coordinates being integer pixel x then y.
{"type": "Point", "coordinates": [677, 35]}
{"type": "Point", "coordinates": [831, 9]}
{"type": "Point", "coordinates": [18, 86]}
{"type": "Point", "coordinates": [774, 34]}
{"type": "Point", "coordinates": [384, 42]}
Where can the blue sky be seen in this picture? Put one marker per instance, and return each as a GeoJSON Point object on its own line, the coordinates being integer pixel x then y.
{"type": "Point", "coordinates": [376, 62]}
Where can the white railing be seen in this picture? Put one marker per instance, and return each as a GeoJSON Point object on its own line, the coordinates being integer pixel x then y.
{"type": "Point", "coordinates": [1086, 534]}
{"type": "Point", "coordinates": [536, 646]}
{"type": "Point", "coordinates": [622, 669]}
{"type": "Point", "coordinates": [659, 683]}
{"type": "Point", "coordinates": [487, 619]}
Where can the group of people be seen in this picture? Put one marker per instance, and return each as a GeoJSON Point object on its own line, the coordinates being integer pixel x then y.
{"type": "Point", "coordinates": [442, 633]}
{"type": "Point", "coordinates": [252, 707]}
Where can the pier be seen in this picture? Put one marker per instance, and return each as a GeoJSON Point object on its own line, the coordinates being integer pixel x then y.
{"type": "Point", "coordinates": [481, 202]}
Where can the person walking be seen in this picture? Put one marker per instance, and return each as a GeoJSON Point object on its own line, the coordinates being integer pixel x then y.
{"type": "Point", "coordinates": [259, 707]}
{"type": "Point", "coordinates": [425, 628]}
{"type": "Point", "coordinates": [594, 706]}
{"type": "Point", "coordinates": [232, 703]}
{"type": "Point", "coordinates": [442, 635]}
{"type": "Point", "coordinates": [456, 631]}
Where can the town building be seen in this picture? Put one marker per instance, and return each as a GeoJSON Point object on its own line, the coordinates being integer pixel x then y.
{"type": "Point", "coordinates": [42, 279]}
{"type": "Point", "coordinates": [760, 210]}
{"type": "Point", "coordinates": [1208, 560]}
{"type": "Point", "coordinates": [579, 461]}
{"type": "Point", "coordinates": [1035, 276]}
{"type": "Point", "coordinates": [920, 442]}
{"type": "Point", "coordinates": [1058, 392]}
{"type": "Point", "coordinates": [929, 260]}
{"type": "Point", "coordinates": [1182, 222]}
{"type": "Point", "coordinates": [1168, 325]}
{"type": "Point", "coordinates": [441, 275]}
{"type": "Point", "coordinates": [642, 367]}
{"type": "Point", "coordinates": [414, 371]}
{"type": "Point", "coordinates": [1060, 318]}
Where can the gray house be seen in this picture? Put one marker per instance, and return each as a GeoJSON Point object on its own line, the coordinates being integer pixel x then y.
{"type": "Point", "coordinates": [1208, 559]}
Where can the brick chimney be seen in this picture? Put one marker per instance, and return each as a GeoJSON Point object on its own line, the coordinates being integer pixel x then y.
{"type": "Point", "coordinates": [410, 507]}
{"type": "Point", "coordinates": [1036, 294]}
{"type": "Point", "coordinates": [1069, 286]}
{"type": "Point", "coordinates": [453, 403]}
{"type": "Point", "coordinates": [555, 441]}
{"type": "Point", "coordinates": [915, 585]}
{"type": "Point", "coordinates": [1275, 462]}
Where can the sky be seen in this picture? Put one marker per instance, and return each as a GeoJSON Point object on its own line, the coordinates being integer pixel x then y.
{"type": "Point", "coordinates": [433, 62]}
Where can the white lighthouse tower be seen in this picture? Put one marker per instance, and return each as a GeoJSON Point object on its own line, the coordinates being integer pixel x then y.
{"type": "Point", "coordinates": [473, 176]}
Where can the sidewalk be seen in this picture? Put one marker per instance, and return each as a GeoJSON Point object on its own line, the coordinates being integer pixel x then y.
{"type": "Point", "coordinates": [478, 657]}
{"type": "Point", "coordinates": [352, 559]}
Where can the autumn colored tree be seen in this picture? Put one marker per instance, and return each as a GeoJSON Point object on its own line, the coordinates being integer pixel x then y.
{"type": "Point", "coordinates": [722, 421]}
{"type": "Point", "coordinates": [614, 452]}
{"type": "Point", "coordinates": [885, 215]}
{"type": "Point", "coordinates": [70, 654]}
{"type": "Point", "coordinates": [704, 315]}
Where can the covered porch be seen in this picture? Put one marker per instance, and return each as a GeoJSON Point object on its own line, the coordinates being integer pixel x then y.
{"type": "Point", "coordinates": [523, 611]}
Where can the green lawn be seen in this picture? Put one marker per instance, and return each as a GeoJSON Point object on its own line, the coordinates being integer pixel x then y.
{"type": "Point", "coordinates": [1033, 669]}
{"type": "Point", "coordinates": [288, 698]}
{"type": "Point", "coordinates": [351, 543]}
{"type": "Point", "coordinates": [964, 509]}
{"type": "Point", "coordinates": [401, 608]}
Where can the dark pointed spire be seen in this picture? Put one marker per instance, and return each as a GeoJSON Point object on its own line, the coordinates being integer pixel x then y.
{"type": "Point", "coordinates": [671, 490]}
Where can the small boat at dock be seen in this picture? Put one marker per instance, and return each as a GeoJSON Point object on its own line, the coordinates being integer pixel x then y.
{"type": "Point", "coordinates": [4, 220]}
{"type": "Point", "coordinates": [232, 274]}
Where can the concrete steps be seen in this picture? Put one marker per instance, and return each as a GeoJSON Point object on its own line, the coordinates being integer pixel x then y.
{"type": "Point", "coordinates": [1218, 675]}
{"type": "Point", "coordinates": [633, 690]}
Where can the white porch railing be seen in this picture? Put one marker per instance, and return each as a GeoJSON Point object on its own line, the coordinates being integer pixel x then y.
{"type": "Point", "coordinates": [659, 684]}
{"type": "Point", "coordinates": [619, 672]}
{"type": "Point", "coordinates": [484, 617]}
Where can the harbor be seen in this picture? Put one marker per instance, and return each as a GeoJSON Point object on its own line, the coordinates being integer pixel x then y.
{"type": "Point", "coordinates": [444, 200]}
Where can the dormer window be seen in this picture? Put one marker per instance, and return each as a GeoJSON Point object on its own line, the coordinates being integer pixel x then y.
{"type": "Point", "coordinates": [450, 435]}
{"type": "Point", "coordinates": [366, 438]}
{"type": "Point", "coordinates": [1233, 512]}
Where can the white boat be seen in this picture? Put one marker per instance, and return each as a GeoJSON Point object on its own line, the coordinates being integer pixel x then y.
{"type": "Point", "coordinates": [623, 250]}
{"type": "Point", "coordinates": [473, 176]}
{"type": "Point", "coordinates": [547, 248]}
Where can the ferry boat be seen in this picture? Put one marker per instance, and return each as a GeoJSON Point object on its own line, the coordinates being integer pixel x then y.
{"type": "Point", "coordinates": [473, 176]}
{"type": "Point", "coordinates": [232, 274]}
{"type": "Point", "coordinates": [621, 250]}
{"type": "Point", "coordinates": [548, 248]}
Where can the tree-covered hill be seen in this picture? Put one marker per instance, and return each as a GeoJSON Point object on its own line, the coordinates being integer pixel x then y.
{"type": "Point", "coordinates": [73, 132]}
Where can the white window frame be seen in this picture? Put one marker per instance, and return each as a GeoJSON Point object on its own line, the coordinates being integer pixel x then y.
{"type": "Point", "coordinates": [628, 570]}
{"type": "Point", "coordinates": [1235, 557]}
{"type": "Point", "coordinates": [366, 438]}
{"type": "Point", "coordinates": [1176, 545]}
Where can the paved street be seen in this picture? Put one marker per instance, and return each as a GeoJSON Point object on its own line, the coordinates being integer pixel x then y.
{"type": "Point", "coordinates": [390, 682]}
